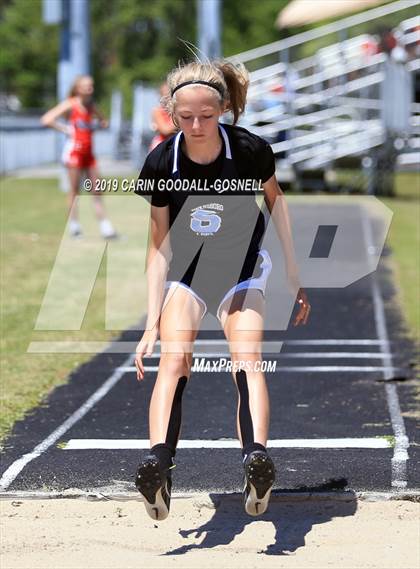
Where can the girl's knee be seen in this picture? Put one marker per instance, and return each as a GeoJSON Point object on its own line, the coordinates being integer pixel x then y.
{"type": "Point", "coordinates": [176, 364]}
{"type": "Point", "coordinates": [245, 360]}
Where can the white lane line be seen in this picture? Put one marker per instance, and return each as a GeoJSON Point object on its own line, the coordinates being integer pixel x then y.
{"type": "Point", "coordinates": [16, 467]}
{"type": "Point", "coordinates": [315, 342]}
{"type": "Point", "coordinates": [132, 369]}
{"type": "Point", "coordinates": [400, 457]}
{"type": "Point", "coordinates": [83, 347]}
{"type": "Point", "coordinates": [297, 355]}
{"type": "Point", "coordinates": [350, 342]}
{"type": "Point", "coordinates": [138, 444]}
{"type": "Point", "coordinates": [355, 355]}
{"type": "Point", "coordinates": [399, 460]}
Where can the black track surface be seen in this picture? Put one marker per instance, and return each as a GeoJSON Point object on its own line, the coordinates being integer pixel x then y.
{"type": "Point", "coordinates": [303, 405]}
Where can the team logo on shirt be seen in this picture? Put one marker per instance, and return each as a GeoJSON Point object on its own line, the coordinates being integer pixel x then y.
{"type": "Point", "coordinates": [204, 220]}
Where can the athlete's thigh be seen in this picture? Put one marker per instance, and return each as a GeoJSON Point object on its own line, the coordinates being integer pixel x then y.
{"type": "Point", "coordinates": [92, 172]}
{"type": "Point", "coordinates": [243, 321]}
{"type": "Point", "coordinates": [180, 320]}
{"type": "Point", "coordinates": [75, 175]}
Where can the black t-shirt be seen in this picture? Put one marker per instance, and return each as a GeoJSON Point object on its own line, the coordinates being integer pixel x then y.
{"type": "Point", "coordinates": [224, 218]}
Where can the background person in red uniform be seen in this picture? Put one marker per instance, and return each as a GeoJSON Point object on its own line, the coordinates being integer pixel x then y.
{"type": "Point", "coordinates": [82, 114]}
{"type": "Point", "coordinates": [162, 121]}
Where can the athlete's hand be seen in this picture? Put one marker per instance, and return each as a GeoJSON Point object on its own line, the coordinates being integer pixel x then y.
{"type": "Point", "coordinates": [145, 347]}
{"type": "Point", "coordinates": [64, 128]}
{"type": "Point", "coordinates": [304, 308]}
{"type": "Point", "coordinates": [103, 123]}
{"type": "Point", "coordinates": [293, 283]}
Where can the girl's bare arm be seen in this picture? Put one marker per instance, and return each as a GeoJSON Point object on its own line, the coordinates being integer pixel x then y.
{"type": "Point", "coordinates": [102, 120]}
{"type": "Point", "coordinates": [50, 117]}
{"type": "Point", "coordinates": [157, 263]}
{"type": "Point", "coordinates": [277, 205]}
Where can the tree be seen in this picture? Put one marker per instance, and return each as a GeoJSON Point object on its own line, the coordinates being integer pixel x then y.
{"type": "Point", "coordinates": [29, 51]}
{"type": "Point", "coordinates": [132, 40]}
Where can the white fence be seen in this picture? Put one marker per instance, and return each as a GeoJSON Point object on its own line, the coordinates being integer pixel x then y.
{"type": "Point", "coordinates": [25, 148]}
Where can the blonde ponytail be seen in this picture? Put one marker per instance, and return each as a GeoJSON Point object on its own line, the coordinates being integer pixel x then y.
{"type": "Point", "coordinates": [237, 81]}
{"type": "Point", "coordinates": [231, 83]}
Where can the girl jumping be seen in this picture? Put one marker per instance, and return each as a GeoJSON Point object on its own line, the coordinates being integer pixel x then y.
{"type": "Point", "coordinates": [217, 265]}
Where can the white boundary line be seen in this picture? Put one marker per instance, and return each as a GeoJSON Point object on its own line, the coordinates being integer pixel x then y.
{"type": "Point", "coordinates": [400, 457]}
{"type": "Point", "coordinates": [338, 342]}
{"type": "Point", "coordinates": [18, 465]}
{"type": "Point", "coordinates": [38, 347]}
{"type": "Point", "coordinates": [105, 494]}
{"type": "Point", "coordinates": [297, 369]}
{"type": "Point", "coordinates": [297, 355]}
{"type": "Point", "coordinates": [139, 444]}
{"type": "Point", "coordinates": [399, 460]}
{"type": "Point", "coordinates": [313, 342]}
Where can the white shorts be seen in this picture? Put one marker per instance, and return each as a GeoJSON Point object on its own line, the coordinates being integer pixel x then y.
{"type": "Point", "coordinates": [212, 302]}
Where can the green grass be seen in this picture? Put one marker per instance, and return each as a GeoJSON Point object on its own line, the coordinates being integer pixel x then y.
{"type": "Point", "coordinates": [33, 216]}
{"type": "Point", "coordinates": [404, 240]}
{"type": "Point", "coordinates": [389, 438]}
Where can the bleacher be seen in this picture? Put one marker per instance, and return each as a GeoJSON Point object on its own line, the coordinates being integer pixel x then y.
{"type": "Point", "coordinates": [326, 112]}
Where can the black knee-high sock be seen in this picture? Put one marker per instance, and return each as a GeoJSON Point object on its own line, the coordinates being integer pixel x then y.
{"type": "Point", "coordinates": [166, 451]}
{"type": "Point", "coordinates": [175, 417]}
{"type": "Point", "coordinates": [245, 419]}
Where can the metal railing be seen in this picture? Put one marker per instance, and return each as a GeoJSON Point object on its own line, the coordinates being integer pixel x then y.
{"type": "Point", "coordinates": [343, 24]}
{"type": "Point", "coordinates": [333, 96]}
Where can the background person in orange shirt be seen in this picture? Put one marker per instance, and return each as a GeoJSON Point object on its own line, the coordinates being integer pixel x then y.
{"type": "Point", "coordinates": [161, 121]}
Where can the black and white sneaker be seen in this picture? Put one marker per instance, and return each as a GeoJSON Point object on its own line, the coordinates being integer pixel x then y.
{"type": "Point", "coordinates": [154, 484]}
{"type": "Point", "coordinates": [260, 474]}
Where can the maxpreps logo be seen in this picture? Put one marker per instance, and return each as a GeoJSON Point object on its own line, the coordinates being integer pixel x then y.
{"type": "Point", "coordinates": [204, 219]}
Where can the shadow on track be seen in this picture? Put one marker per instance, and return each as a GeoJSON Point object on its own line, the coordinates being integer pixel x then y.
{"type": "Point", "coordinates": [292, 520]}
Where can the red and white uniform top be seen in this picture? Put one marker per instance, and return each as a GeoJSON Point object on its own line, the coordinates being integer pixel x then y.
{"type": "Point", "coordinates": [78, 151]}
{"type": "Point", "coordinates": [81, 120]}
